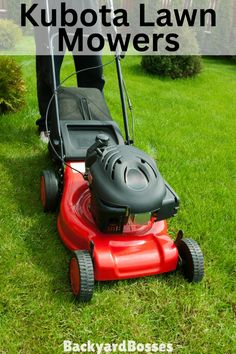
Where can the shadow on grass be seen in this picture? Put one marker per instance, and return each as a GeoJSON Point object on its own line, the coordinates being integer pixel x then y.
{"type": "Point", "coordinates": [14, 131]}
{"type": "Point", "coordinates": [170, 278]}
{"type": "Point", "coordinates": [37, 230]}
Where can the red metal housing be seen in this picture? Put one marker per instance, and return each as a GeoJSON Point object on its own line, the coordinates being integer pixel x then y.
{"type": "Point", "coordinates": [141, 250]}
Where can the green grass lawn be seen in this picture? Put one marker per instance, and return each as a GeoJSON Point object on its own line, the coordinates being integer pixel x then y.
{"type": "Point", "coordinates": [189, 127]}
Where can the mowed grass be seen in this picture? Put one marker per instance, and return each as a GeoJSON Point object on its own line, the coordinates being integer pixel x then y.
{"type": "Point", "coordinates": [189, 127]}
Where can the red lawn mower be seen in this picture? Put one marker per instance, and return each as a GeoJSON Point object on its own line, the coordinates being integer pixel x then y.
{"type": "Point", "coordinates": [113, 200]}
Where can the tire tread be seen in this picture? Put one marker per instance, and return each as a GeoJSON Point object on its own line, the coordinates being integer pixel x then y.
{"type": "Point", "coordinates": [193, 260]}
{"type": "Point", "coordinates": [86, 275]}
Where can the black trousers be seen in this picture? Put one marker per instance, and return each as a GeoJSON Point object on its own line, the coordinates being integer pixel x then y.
{"type": "Point", "coordinates": [88, 78]}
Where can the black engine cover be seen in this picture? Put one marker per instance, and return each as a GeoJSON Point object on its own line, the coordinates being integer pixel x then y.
{"type": "Point", "coordinates": [125, 177]}
{"type": "Point", "coordinates": [125, 181]}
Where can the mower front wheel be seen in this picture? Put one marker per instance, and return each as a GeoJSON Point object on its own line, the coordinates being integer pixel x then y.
{"type": "Point", "coordinates": [82, 275]}
{"type": "Point", "coordinates": [49, 190]}
{"type": "Point", "coordinates": [191, 259]}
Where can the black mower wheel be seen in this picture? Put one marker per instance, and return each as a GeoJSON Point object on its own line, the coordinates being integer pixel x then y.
{"type": "Point", "coordinates": [82, 275]}
{"type": "Point", "coordinates": [49, 190]}
{"type": "Point", "coordinates": [191, 260]}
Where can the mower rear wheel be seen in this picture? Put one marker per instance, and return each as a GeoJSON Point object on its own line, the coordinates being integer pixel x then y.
{"type": "Point", "coordinates": [82, 275]}
{"type": "Point", "coordinates": [49, 190]}
{"type": "Point", "coordinates": [192, 260]}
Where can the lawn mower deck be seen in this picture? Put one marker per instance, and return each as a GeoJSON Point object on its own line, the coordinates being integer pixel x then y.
{"type": "Point", "coordinates": [140, 250]}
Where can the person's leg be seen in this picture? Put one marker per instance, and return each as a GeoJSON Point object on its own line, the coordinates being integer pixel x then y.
{"type": "Point", "coordinates": [44, 89]}
{"type": "Point", "coordinates": [45, 84]}
{"type": "Point", "coordinates": [93, 77]}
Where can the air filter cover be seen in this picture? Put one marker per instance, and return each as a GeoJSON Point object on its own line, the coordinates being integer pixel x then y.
{"type": "Point", "coordinates": [123, 176]}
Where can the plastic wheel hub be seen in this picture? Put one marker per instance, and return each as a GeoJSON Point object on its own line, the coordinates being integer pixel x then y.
{"type": "Point", "coordinates": [74, 276]}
